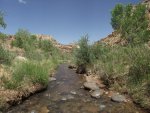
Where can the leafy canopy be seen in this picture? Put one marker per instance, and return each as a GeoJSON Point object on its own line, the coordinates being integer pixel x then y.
{"type": "Point", "coordinates": [131, 22]}
{"type": "Point", "coordinates": [2, 22]}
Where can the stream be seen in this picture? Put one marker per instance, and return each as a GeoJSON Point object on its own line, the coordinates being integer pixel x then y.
{"type": "Point", "coordinates": [65, 95]}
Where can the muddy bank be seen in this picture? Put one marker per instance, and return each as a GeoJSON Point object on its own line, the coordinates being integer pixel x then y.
{"type": "Point", "coordinates": [10, 98]}
{"type": "Point", "coordinates": [66, 95]}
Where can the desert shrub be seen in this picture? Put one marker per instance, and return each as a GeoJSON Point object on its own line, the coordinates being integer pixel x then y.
{"type": "Point", "coordinates": [140, 68]}
{"type": "Point", "coordinates": [3, 37]}
{"type": "Point", "coordinates": [82, 54]}
{"type": "Point", "coordinates": [5, 56]}
{"type": "Point", "coordinates": [34, 54]}
{"type": "Point", "coordinates": [34, 72]}
{"type": "Point", "coordinates": [98, 50]}
{"type": "Point", "coordinates": [23, 39]}
{"type": "Point", "coordinates": [46, 45]}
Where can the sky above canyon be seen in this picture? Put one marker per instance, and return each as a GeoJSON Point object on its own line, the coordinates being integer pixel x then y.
{"type": "Point", "coordinates": [65, 20]}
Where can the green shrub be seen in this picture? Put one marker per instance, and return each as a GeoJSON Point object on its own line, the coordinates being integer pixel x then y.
{"type": "Point", "coordinates": [46, 45]}
{"type": "Point", "coordinates": [23, 39]}
{"type": "Point", "coordinates": [5, 56]}
{"type": "Point", "coordinates": [34, 72]}
{"type": "Point", "coordinates": [82, 54]}
{"type": "Point", "coordinates": [3, 37]}
{"type": "Point", "coordinates": [140, 68]}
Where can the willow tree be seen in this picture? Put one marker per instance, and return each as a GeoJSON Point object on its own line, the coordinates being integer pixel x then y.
{"type": "Point", "coordinates": [2, 22]}
{"type": "Point", "coordinates": [131, 22]}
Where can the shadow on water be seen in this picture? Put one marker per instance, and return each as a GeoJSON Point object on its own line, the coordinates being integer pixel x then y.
{"type": "Point", "coordinates": [66, 96]}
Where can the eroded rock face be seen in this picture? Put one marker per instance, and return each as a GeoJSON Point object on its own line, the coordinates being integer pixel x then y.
{"type": "Point", "coordinates": [91, 85]}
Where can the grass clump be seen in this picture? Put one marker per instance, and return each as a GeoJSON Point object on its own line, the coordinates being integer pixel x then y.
{"type": "Point", "coordinates": [5, 56]}
{"type": "Point", "coordinates": [33, 72]}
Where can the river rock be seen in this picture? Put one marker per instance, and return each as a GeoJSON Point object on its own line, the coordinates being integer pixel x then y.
{"type": "Point", "coordinates": [91, 85]}
{"type": "Point", "coordinates": [102, 107]}
{"type": "Point", "coordinates": [97, 93]}
{"type": "Point", "coordinates": [52, 78]}
{"type": "Point", "coordinates": [73, 92]}
{"type": "Point", "coordinates": [67, 97]}
{"type": "Point", "coordinates": [70, 97]}
{"type": "Point", "coordinates": [81, 69]}
{"type": "Point", "coordinates": [64, 98]}
{"type": "Point", "coordinates": [118, 98]}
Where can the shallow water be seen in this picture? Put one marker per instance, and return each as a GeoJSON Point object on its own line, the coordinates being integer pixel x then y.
{"type": "Point", "coordinates": [65, 95]}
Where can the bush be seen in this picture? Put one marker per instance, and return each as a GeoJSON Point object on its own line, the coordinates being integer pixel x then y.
{"type": "Point", "coordinates": [3, 37]}
{"type": "Point", "coordinates": [23, 39]}
{"type": "Point", "coordinates": [82, 54]}
{"type": "Point", "coordinates": [46, 45]}
{"type": "Point", "coordinates": [5, 56]}
{"type": "Point", "coordinates": [140, 68]}
{"type": "Point", "coordinates": [34, 72]}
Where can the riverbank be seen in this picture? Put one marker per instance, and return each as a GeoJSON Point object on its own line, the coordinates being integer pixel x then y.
{"type": "Point", "coordinates": [14, 97]}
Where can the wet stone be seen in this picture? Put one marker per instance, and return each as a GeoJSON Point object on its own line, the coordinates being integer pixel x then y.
{"type": "Point", "coordinates": [102, 107]}
{"type": "Point", "coordinates": [97, 93]}
{"type": "Point", "coordinates": [118, 98]}
{"type": "Point", "coordinates": [52, 79]}
{"type": "Point", "coordinates": [70, 97]}
{"type": "Point", "coordinates": [33, 111]}
{"type": "Point", "coordinates": [73, 92]}
{"type": "Point", "coordinates": [64, 98]}
{"type": "Point", "coordinates": [67, 97]}
{"type": "Point", "coordinates": [91, 85]}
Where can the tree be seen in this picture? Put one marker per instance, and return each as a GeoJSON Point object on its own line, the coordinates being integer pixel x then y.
{"type": "Point", "coordinates": [117, 14]}
{"type": "Point", "coordinates": [2, 22]}
{"type": "Point", "coordinates": [131, 22]}
{"type": "Point", "coordinates": [83, 55]}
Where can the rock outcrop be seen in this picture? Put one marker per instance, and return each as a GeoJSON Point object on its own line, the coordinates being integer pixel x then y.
{"type": "Point", "coordinates": [65, 48]}
{"type": "Point", "coordinates": [113, 39]}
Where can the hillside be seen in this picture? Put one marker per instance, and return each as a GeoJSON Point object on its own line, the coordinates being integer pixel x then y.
{"type": "Point", "coordinates": [64, 48]}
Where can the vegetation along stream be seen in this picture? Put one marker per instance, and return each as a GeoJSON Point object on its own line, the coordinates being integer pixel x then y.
{"type": "Point", "coordinates": [65, 95]}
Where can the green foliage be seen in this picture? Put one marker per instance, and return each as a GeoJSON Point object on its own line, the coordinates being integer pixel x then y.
{"type": "Point", "coordinates": [34, 54]}
{"type": "Point", "coordinates": [5, 56]}
{"type": "Point", "coordinates": [3, 36]}
{"type": "Point", "coordinates": [2, 22]}
{"type": "Point", "coordinates": [117, 14]}
{"type": "Point", "coordinates": [23, 39]}
{"type": "Point", "coordinates": [46, 45]}
{"type": "Point", "coordinates": [98, 50]}
{"type": "Point", "coordinates": [140, 69]}
{"type": "Point", "coordinates": [131, 23]}
{"type": "Point", "coordinates": [30, 71]}
{"type": "Point", "coordinates": [126, 69]}
{"type": "Point", "coordinates": [82, 54]}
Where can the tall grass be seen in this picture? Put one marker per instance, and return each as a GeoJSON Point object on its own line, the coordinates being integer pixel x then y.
{"type": "Point", "coordinates": [31, 72]}
{"type": "Point", "coordinates": [122, 68]}
{"type": "Point", "coordinates": [5, 56]}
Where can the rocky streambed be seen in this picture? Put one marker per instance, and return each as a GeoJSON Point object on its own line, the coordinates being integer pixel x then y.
{"type": "Point", "coordinates": [66, 94]}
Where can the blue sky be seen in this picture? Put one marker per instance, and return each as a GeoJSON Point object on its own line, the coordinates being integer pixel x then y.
{"type": "Point", "coordinates": [65, 20]}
